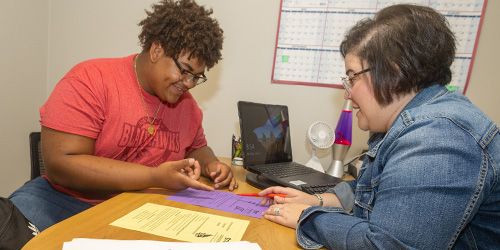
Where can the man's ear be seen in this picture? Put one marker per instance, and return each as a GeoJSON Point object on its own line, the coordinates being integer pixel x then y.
{"type": "Point", "coordinates": [155, 51]}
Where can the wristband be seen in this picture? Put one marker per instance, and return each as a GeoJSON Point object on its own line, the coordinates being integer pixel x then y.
{"type": "Point", "coordinates": [320, 199]}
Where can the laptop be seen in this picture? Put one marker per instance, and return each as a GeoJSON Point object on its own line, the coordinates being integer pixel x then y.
{"type": "Point", "coordinates": [267, 148]}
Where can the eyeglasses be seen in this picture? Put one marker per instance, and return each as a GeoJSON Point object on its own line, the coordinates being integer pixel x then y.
{"type": "Point", "coordinates": [188, 76]}
{"type": "Point", "coordinates": [347, 80]}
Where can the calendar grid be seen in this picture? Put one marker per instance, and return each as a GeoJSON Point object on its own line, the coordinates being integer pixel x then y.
{"type": "Point", "coordinates": [310, 32]}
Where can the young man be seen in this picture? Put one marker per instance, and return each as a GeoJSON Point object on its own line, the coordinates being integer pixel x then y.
{"type": "Point", "coordinates": [119, 124]}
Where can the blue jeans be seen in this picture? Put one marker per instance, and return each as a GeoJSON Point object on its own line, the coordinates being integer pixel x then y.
{"type": "Point", "coordinates": [43, 205]}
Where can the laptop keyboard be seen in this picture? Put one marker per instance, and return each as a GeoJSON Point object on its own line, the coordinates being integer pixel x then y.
{"type": "Point", "coordinates": [286, 169]}
{"type": "Point", "coordinates": [316, 189]}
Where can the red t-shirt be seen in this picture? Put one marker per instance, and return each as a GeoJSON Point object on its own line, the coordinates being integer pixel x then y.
{"type": "Point", "coordinates": [100, 99]}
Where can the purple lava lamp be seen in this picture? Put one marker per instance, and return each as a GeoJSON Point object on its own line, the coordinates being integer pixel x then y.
{"type": "Point", "coordinates": [343, 138]}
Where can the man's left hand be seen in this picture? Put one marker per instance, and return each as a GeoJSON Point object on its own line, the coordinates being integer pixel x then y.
{"type": "Point", "coordinates": [221, 174]}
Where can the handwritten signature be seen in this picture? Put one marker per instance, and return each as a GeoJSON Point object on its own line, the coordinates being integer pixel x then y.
{"type": "Point", "coordinates": [203, 235]}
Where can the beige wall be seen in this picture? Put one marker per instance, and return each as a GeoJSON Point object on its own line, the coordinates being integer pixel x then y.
{"type": "Point", "coordinates": [484, 87]}
{"type": "Point", "coordinates": [23, 70]}
{"type": "Point", "coordinates": [56, 34]}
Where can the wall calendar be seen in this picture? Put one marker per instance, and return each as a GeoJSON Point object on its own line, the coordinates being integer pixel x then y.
{"type": "Point", "coordinates": [310, 32]}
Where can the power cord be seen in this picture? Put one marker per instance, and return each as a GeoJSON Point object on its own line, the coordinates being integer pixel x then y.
{"type": "Point", "coordinates": [354, 158]}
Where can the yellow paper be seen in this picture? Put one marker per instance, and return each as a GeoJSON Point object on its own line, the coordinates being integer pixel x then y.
{"type": "Point", "coordinates": [182, 224]}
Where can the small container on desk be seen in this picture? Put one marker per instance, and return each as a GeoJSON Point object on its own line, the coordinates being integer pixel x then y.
{"type": "Point", "coordinates": [236, 151]}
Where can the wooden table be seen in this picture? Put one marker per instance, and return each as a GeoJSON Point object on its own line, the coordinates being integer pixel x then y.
{"type": "Point", "coordinates": [94, 222]}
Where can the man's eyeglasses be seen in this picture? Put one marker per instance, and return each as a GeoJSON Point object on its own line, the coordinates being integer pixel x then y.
{"type": "Point", "coordinates": [347, 80]}
{"type": "Point", "coordinates": [188, 76]}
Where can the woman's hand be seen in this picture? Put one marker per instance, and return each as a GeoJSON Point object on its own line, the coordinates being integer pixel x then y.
{"type": "Point", "coordinates": [292, 196]}
{"type": "Point", "coordinates": [285, 214]}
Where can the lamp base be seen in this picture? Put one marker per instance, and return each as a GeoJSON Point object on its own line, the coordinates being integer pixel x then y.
{"type": "Point", "coordinates": [336, 169]}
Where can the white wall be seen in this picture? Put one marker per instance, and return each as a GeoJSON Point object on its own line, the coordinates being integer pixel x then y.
{"type": "Point", "coordinates": [244, 73]}
{"type": "Point", "coordinates": [56, 34]}
{"type": "Point", "coordinates": [23, 73]}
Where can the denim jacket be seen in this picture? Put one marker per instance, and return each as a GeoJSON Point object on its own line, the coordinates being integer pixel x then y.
{"type": "Point", "coordinates": [429, 182]}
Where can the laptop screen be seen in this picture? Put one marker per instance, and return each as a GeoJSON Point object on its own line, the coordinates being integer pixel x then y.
{"type": "Point", "coordinates": [265, 133]}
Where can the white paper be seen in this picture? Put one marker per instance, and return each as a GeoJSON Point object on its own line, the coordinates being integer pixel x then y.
{"type": "Point", "coordinates": [108, 244]}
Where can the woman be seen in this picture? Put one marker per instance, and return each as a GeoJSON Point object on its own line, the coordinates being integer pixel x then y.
{"type": "Point", "coordinates": [430, 178]}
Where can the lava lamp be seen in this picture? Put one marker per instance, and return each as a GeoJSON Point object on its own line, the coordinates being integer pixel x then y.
{"type": "Point", "coordinates": [343, 138]}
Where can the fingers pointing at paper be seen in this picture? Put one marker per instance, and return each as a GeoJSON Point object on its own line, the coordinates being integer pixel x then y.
{"type": "Point", "coordinates": [179, 175]}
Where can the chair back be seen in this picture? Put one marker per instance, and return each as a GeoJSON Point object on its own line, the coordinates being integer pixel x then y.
{"type": "Point", "coordinates": [37, 168]}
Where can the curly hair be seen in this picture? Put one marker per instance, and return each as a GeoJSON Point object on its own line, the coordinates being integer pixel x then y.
{"type": "Point", "coordinates": [183, 27]}
{"type": "Point", "coordinates": [407, 48]}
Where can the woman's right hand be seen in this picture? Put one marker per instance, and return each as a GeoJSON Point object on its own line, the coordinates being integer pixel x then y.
{"type": "Point", "coordinates": [292, 196]}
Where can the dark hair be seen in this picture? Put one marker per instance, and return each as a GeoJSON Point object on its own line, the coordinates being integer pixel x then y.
{"type": "Point", "coordinates": [183, 27]}
{"type": "Point", "coordinates": [407, 48]}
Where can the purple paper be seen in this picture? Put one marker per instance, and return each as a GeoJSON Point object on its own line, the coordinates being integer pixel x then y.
{"type": "Point", "coordinates": [223, 201]}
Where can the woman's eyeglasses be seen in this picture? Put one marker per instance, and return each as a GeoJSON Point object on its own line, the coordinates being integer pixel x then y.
{"type": "Point", "coordinates": [347, 80]}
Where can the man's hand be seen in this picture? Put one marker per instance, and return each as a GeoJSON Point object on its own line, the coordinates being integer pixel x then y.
{"type": "Point", "coordinates": [179, 175]}
{"type": "Point", "coordinates": [221, 174]}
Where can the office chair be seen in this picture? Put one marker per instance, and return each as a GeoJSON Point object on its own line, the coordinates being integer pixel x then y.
{"type": "Point", "coordinates": [37, 167]}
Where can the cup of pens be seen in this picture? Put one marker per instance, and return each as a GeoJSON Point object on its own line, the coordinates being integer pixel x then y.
{"type": "Point", "coordinates": [236, 154]}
